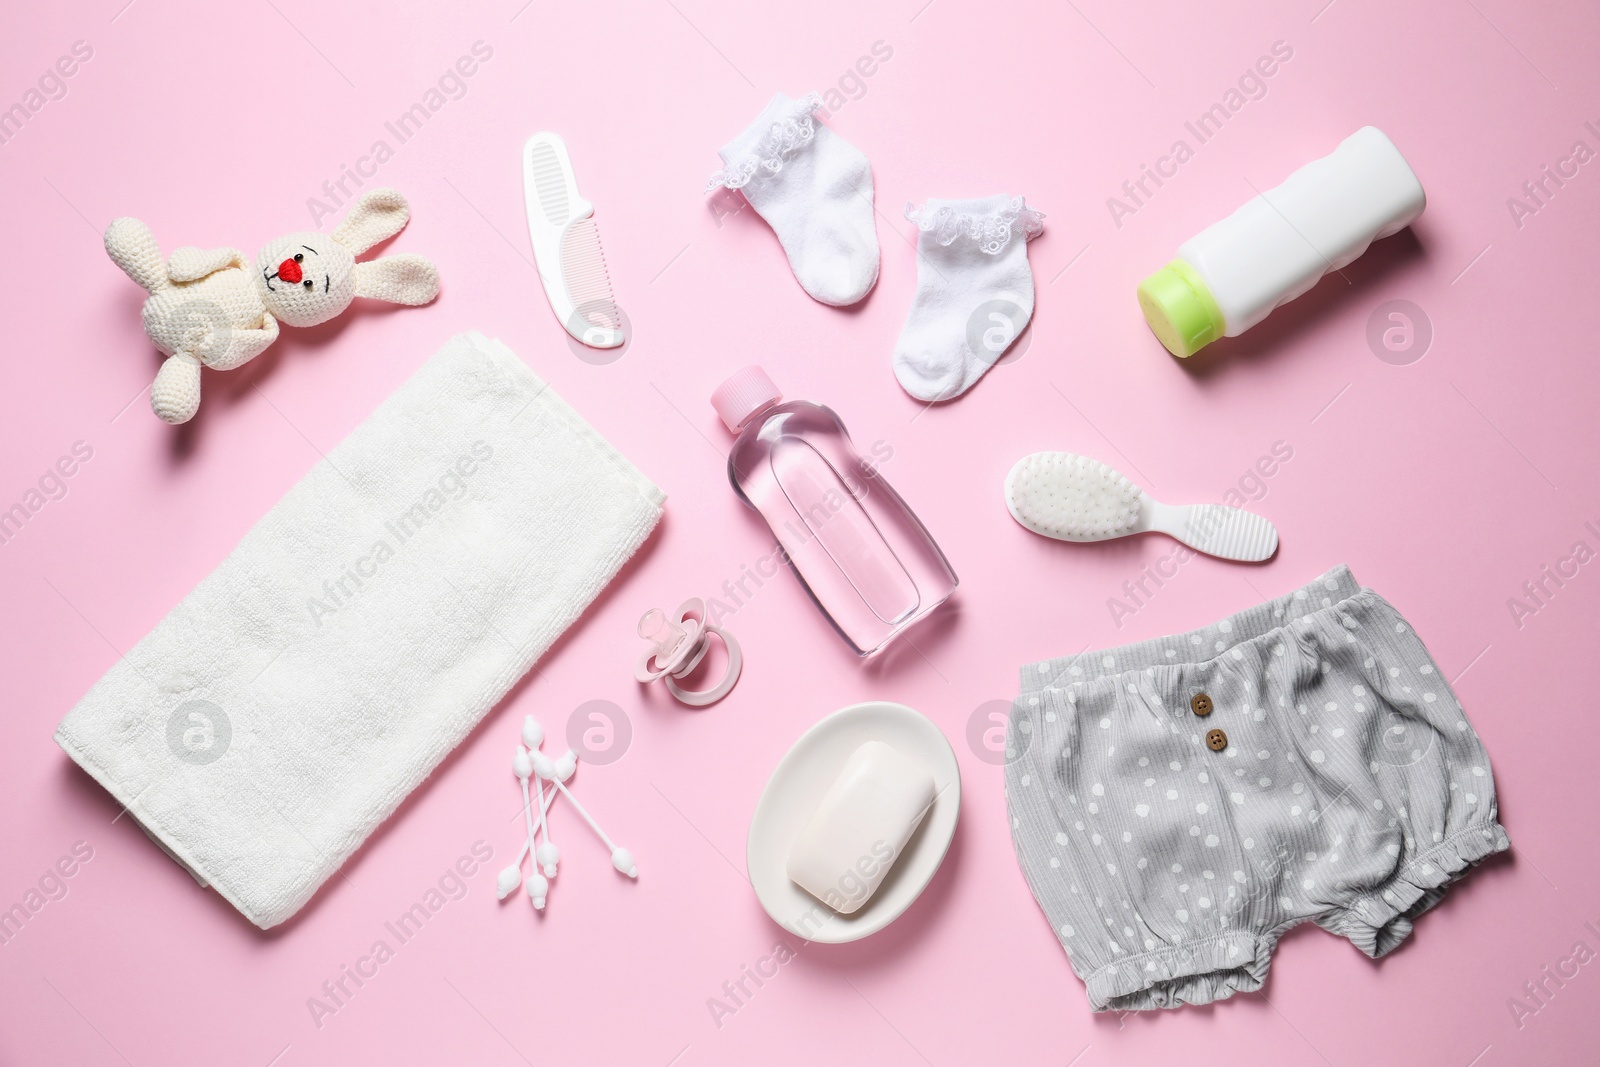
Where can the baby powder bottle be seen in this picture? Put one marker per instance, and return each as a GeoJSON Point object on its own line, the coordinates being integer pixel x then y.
{"type": "Point", "coordinates": [1227, 277]}
{"type": "Point", "coordinates": [864, 558]}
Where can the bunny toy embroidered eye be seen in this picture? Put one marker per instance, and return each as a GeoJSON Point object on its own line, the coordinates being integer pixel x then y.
{"type": "Point", "coordinates": [213, 307]}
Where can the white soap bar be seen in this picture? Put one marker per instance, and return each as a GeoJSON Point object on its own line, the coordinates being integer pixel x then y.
{"type": "Point", "coordinates": [865, 819]}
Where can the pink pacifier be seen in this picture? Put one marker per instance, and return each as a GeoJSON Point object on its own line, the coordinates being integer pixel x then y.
{"type": "Point", "coordinates": [679, 645]}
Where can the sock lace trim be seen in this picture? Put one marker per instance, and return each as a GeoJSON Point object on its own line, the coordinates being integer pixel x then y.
{"type": "Point", "coordinates": [992, 231]}
{"type": "Point", "coordinates": [787, 134]}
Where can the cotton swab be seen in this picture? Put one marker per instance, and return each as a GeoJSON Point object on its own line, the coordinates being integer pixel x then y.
{"type": "Point", "coordinates": [554, 770]}
{"type": "Point", "coordinates": [621, 858]}
{"type": "Point", "coordinates": [547, 854]}
{"type": "Point", "coordinates": [538, 884]}
{"type": "Point", "coordinates": [532, 733]}
{"type": "Point", "coordinates": [507, 881]}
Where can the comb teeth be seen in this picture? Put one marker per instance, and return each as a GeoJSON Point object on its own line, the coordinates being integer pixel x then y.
{"type": "Point", "coordinates": [1072, 497]}
{"type": "Point", "coordinates": [583, 265]}
{"type": "Point", "coordinates": [551, 184]}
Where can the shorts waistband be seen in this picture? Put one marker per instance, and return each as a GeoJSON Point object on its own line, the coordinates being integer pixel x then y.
{"type": "Point", "coordinates": [1195, 646]}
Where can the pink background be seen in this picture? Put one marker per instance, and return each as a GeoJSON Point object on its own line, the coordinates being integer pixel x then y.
{"type": "Point", "coordinates": [1446, 484]}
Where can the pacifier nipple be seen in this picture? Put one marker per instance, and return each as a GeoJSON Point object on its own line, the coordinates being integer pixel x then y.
{"type": "Point", "coordinates": [654, 626]}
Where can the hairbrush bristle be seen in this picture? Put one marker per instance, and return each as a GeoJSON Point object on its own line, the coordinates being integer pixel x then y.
{"type": "Point", "coordinates": [1072, 497]}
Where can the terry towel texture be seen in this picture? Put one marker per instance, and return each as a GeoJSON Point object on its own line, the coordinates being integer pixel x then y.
{"type": "Point", "coordinates": [361, 629]}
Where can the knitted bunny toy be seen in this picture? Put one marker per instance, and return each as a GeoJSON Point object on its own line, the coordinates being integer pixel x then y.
{"type": "Point", "coordinates": [213, 307]}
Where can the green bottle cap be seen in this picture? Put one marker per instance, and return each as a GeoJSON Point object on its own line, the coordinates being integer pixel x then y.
{"type": "Point", "coordinates": [1180, 309]}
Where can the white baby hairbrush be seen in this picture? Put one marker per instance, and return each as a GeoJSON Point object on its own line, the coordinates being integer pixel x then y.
{"type": "Point", "coordinates": [1075, 498]}
{"type": "Point", "coordinates": [566, 245]}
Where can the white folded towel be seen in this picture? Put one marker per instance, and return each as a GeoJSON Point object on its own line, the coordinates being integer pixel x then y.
{"type": "Point", "coordinates": [362, 628]}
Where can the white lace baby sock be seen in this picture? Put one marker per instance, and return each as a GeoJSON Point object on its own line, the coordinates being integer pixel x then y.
{"type": "Point", "coordinates": [814, 188]}
{"type": "Point", "coordinates": [974, 292]}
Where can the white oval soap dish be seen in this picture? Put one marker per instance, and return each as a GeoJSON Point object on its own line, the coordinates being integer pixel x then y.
{"type": "Point", "coordinates": [854, 822]}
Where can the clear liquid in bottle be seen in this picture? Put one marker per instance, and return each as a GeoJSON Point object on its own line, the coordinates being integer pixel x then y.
{"type": "Point", "coordinates": [866, 560]}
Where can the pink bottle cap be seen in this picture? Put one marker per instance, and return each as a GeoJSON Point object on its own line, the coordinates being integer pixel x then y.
{"type": "Point", "coordinates": [742, 396]}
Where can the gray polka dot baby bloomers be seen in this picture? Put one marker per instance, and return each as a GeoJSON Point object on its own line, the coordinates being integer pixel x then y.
{"type": "Point", "coordinates": [1178, 804]}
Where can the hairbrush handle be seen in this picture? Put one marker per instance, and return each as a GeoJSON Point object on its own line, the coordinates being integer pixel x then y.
{"type": "Point", "coordinates": [1215, 529]}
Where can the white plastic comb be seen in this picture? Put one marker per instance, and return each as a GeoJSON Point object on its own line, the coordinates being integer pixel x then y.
{"type": "Point", "coordinates": [566, 245]}
{"type": "Point", "coordinates": [1075, 498]}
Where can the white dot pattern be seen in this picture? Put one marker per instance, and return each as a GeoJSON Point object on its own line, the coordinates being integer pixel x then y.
{"type": "Point", "coordinates": [1366, 794]}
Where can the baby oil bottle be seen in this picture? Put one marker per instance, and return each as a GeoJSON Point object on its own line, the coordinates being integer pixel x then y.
{"type": "Point", "coordinates": [861, 554]}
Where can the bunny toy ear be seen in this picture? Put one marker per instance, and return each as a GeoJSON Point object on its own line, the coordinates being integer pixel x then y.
{"type": "Point", "coordinates": [377, 216]}
{"type": "Point", "coordinates": [132, 246]}
{"type": "Point", "coordinates": [404, 279]}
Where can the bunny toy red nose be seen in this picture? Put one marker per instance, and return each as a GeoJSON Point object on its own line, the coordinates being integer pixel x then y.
{"type": "Point", "coordinates": [289, 271]}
